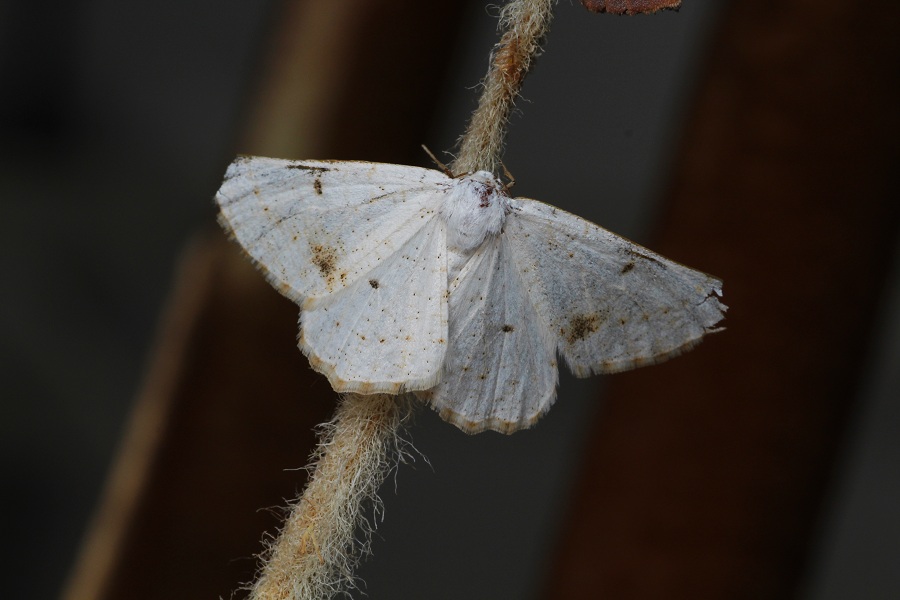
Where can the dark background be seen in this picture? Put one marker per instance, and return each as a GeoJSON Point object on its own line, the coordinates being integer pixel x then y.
{"type": "Point", "coordinates": [116, 124]}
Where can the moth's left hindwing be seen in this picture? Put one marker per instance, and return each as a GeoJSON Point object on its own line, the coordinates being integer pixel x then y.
{"type": "Point", "coordinates": [385, 332]}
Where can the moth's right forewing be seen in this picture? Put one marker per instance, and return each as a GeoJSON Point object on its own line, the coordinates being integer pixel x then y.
{"type": "Point", "coordinates": [611, 304]}
{"type": "Point", "coordinates": [315, 227]}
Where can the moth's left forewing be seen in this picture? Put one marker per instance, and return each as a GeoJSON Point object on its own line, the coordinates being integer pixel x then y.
{"type": "Point", "coordinates": [612, 304]}
{"type": "Point", "coordinates": [315, 227]}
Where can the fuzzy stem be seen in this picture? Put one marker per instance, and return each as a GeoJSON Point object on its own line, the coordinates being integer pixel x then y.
{"type": "Point", "coordinates": [316, 553]}
{"type": "Point", "coordinates": [524, 23]}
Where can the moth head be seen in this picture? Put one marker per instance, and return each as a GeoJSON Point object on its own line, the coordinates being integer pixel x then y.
{"type": "Point", "coordinates": [475, 206]}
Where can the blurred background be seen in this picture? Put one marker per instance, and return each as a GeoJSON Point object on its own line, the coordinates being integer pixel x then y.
{"type": "Point", "coordinates": [758, 146]}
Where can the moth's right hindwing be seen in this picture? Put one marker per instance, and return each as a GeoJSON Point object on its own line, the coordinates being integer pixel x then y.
{"type": "Point", "coordinates": [500, 372]}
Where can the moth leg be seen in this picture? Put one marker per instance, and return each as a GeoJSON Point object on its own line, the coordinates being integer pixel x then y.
{"type": "Point", "coordinates": [434, 159]}
{"type": "Point", "coordinates": [509, 176]}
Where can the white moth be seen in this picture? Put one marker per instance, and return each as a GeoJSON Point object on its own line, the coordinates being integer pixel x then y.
{"type": "Point", "coordinates": [410, 280]}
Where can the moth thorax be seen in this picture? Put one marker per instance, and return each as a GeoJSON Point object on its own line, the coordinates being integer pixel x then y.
{"type": "Point", "coordinates": [476, 206]}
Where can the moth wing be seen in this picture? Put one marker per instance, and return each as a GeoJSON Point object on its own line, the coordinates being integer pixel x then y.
{"type": "Point", "coordinates": [611, 304]}
{"type": "Point", "coordinates": [385, 332]}
{"type": "Point", "coordinates": [316, 227]}
{"type": "Point", "coordinates": [500, 371]}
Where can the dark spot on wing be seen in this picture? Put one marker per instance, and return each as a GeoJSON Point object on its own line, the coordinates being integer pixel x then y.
{"type": "Point", "coordinates": [374, 283]}
{"type": "Point", "coordinates": [508, 328]}
{"type": "Point", "coordinates": [581, 326]}
{"type": "Point", "coordinates": [324, 257]}
{"type": "Point", "coordinates": [642, 256]}
{"type": "Point", "coordinates": [627, 267]}
{"type": "Point", "coordinates": [316, 170]}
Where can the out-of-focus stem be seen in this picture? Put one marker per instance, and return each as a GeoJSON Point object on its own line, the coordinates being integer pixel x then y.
{"type": "Point", "coordinates": [315, 555]}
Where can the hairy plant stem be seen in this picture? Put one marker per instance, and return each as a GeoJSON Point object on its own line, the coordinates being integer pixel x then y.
{"type": "Point", "coordinates": [316, 553]}
{"type": "Point", "coordinates": [524, 24]}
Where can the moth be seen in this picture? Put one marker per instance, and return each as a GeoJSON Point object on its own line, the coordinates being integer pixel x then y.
{"type": "Point", "coordinates": [413, 280]}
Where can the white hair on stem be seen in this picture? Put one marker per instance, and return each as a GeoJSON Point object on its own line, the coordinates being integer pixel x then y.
{"type": "Point", "coordinates": [317, 551]}
{"type": "Point", "coordinates": [524, 22]}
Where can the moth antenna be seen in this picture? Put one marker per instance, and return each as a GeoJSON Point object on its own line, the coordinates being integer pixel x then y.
{"type": "Point", "coordinates": [434, 159]}
{"type": "Point", "coordinates": [509, 176]}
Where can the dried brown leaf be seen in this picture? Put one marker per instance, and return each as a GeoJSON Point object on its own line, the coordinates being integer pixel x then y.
{"type": "Point", "coordinates": [629, 7]}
